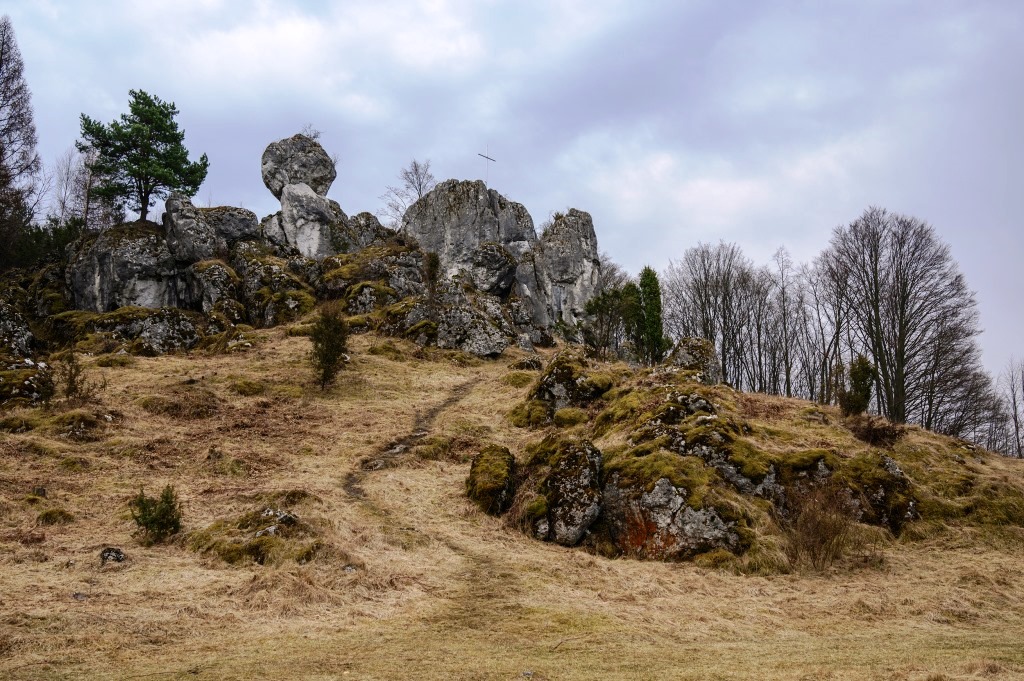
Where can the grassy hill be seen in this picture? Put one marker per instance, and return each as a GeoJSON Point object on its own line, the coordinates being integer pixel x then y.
{"type": "Point", "coordinates": [379, 567]}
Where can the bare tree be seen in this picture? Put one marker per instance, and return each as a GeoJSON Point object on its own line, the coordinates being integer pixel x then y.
{"type": "Point", "coordinates": [1011, 382]}
{"type": "Point", "coordinates": [911, 310]}
{"type": "Point", "coordinates": [417, 180]}
{"type": "Point", "coordinates": [17, 127]}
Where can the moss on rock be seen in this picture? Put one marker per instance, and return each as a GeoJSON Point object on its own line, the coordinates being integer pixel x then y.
{"type": "Point", "coordinates": [491, 481]}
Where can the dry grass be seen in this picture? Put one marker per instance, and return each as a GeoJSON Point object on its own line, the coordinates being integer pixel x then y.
{"type": "Point", "coordinates": [418, 583]}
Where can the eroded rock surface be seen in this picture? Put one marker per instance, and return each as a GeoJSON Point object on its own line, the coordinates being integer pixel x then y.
{"type": "Point", "coordinates": [129, 265]}
{"type": "Point", "coordinates": [297, 160]}
{"type": "Point", "coordinates": [564, 477]}
{"type": "Point", "coordinates": [659, 524]}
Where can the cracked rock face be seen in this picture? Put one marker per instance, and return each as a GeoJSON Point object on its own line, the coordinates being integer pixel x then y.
{"type": "Point", "coordinates": [297, 160]}
{"type": "Point", "coordinates": [658, 524]}
{"type": "Point", "coordinates": [125, 265]}
{"type": "Point", "coordinates": [311, 223]}
{"type": "Point", "coordinates": [477, 231]}
{"type": "Point", "coordinates": [195, 234]}
{"type": "Point", "coordinates": [570, 484]}
{"type": "Point", "coordinates": [569, 261]}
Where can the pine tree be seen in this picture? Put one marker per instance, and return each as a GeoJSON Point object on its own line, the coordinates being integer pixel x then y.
{"type": "Point", "coordinates": [652, 334]}
{"type": "Point", "coordinates": [142, 156]}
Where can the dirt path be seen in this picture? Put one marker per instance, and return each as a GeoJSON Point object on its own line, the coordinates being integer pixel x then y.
{"type": "Point", "coordinates": [389, 453]}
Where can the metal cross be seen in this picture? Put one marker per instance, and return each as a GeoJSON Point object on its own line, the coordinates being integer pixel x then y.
{"type": "Point", "coordinates": [487, 166]}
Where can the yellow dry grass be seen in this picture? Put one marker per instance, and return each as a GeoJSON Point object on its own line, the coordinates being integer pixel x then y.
{"type": "Point", "coordinates": [417, 583]}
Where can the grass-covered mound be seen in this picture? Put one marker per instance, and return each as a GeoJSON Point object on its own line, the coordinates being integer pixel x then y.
{"type": "Point", "coordinates": [739, 466]}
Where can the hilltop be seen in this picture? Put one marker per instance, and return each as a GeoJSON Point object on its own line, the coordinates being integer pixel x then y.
{"type": "Point", "coordinates": [380, 566]}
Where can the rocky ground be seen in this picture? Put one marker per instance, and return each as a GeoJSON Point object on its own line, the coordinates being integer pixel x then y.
{"type": "Point", "coordinates": [380, 567]}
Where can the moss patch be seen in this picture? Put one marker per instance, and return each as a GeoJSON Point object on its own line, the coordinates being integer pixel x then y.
{"type": "Point", "coordinates": [491, 481]}
{"type": "Point", "coordinates": [55, 516]}
{"type": "Point", "coordinates": [517, 379]}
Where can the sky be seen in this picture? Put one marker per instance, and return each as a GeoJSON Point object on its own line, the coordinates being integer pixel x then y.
{"type": "Point", "coordinates": [765, 124]}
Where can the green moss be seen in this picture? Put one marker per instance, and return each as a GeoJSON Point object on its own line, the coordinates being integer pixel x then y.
{"type": "Point", "coordinates": [300, 330]}
{"type": "Point", "coordinates": [76, 420]}
{"type": "Point", "coordinates": [718, 559]}
{"type": "Point", "coordinates": [55, 516]}
{"type": "Point", "coordinates": [624, 408]}
{"type": "Point", "coordinates": [248, 388]}
{"type": "Point", "coordinates": [570, 416]}
{"type": "Point", "coordinates": [886, 498]}
{"type": "Point", "coordinates": [21, 423]}
{"type": "Point", "coordinates": [598, 383]}
{"type": "Point", "coordinates": [249, 539]}
{"type": "Point", "coordinates": [529, 414]}
{"type": "Point", "coordinates": [436, 448]}
{"type": "Point", "coordinates": [426, 328]}
{"type": "Point", "coordinates": [517, 379]}
{"type": "Point", "coordinates": [688, 472]}
{"type": "Point", "coordinates": [752, 463]}
{"type": "Point", "coordinates": [205, 265]}
{"type": "Point", "coordinates": [491, 479]}
{"type": "Point", "coordinates": [382, 293]}
{"type": "Point", "coordinates": [115, 360]}
{"type": "Point", "coordinates": [536, 509]}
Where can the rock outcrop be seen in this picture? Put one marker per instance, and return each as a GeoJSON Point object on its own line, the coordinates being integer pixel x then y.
{"type": "Point", "coordinates": [561, 488]}
{"type": "Point", "coordinates": [129, 265]}
{"type": "Point", "coordinates": [696, 354]}
{"type": "Point", "coordinates": [478, 233]}
{"type": "Point", "coordinates": [495, 282]}
{"type": "Point", "coordinates": [196, 234]}
{"type": "Point", "coordinates": [658, 523]}
{"type": "Point", "coordinates": [297, 160]}
{"type": "Point", "coordinates": [570, 265]}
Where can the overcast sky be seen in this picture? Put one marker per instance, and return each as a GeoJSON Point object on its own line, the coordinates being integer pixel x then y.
{"type": "Point", "coordinates": [761, 123]}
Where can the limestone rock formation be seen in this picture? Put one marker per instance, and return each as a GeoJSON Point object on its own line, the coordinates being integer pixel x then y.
{"type": "Point", "coordinates": [569, 261]}
{"type": "Point", "coordinates": [696, 354]}
{"type": "Point", "coordinates": [312, 224]}
{"type": "Point", "coordinates": [129, 265]}
{"type": "Point", "coordinates": [563, 477]}
{"type": "Point", "coordinates": [477, 232]}
{"type": "Point", "coordinates": [659, 524]}
{"type": "Point", "coordinates": [297, 160]}
{"type": "Point", "coordinates": [456, 219]}
{"type": "Point", "coordinates": [496, 285]}
{"type": "Point", "coordinates": [195, 234]}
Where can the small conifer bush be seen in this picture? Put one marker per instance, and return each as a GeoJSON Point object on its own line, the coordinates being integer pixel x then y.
{"type": "Point", "coordinates": [158, 519]}
{"type": "Point", "coordinates": [857, 398]}
{"type": "Point", "coordinates": [329, 336]}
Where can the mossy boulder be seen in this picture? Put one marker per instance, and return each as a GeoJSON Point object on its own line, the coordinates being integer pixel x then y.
{"type": "Point", "coordinates": [656, 518]}
{"type": "Point", "coordinates": [139, 330]}
{"type": "Point", "coordinates": [570, 381]}
{"type": "Point", "coordinates": [491, 481]}
{"type": "Point", "coordinates": [699, 355]}
{"type": "Point", "coordinates": [560, 496]}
